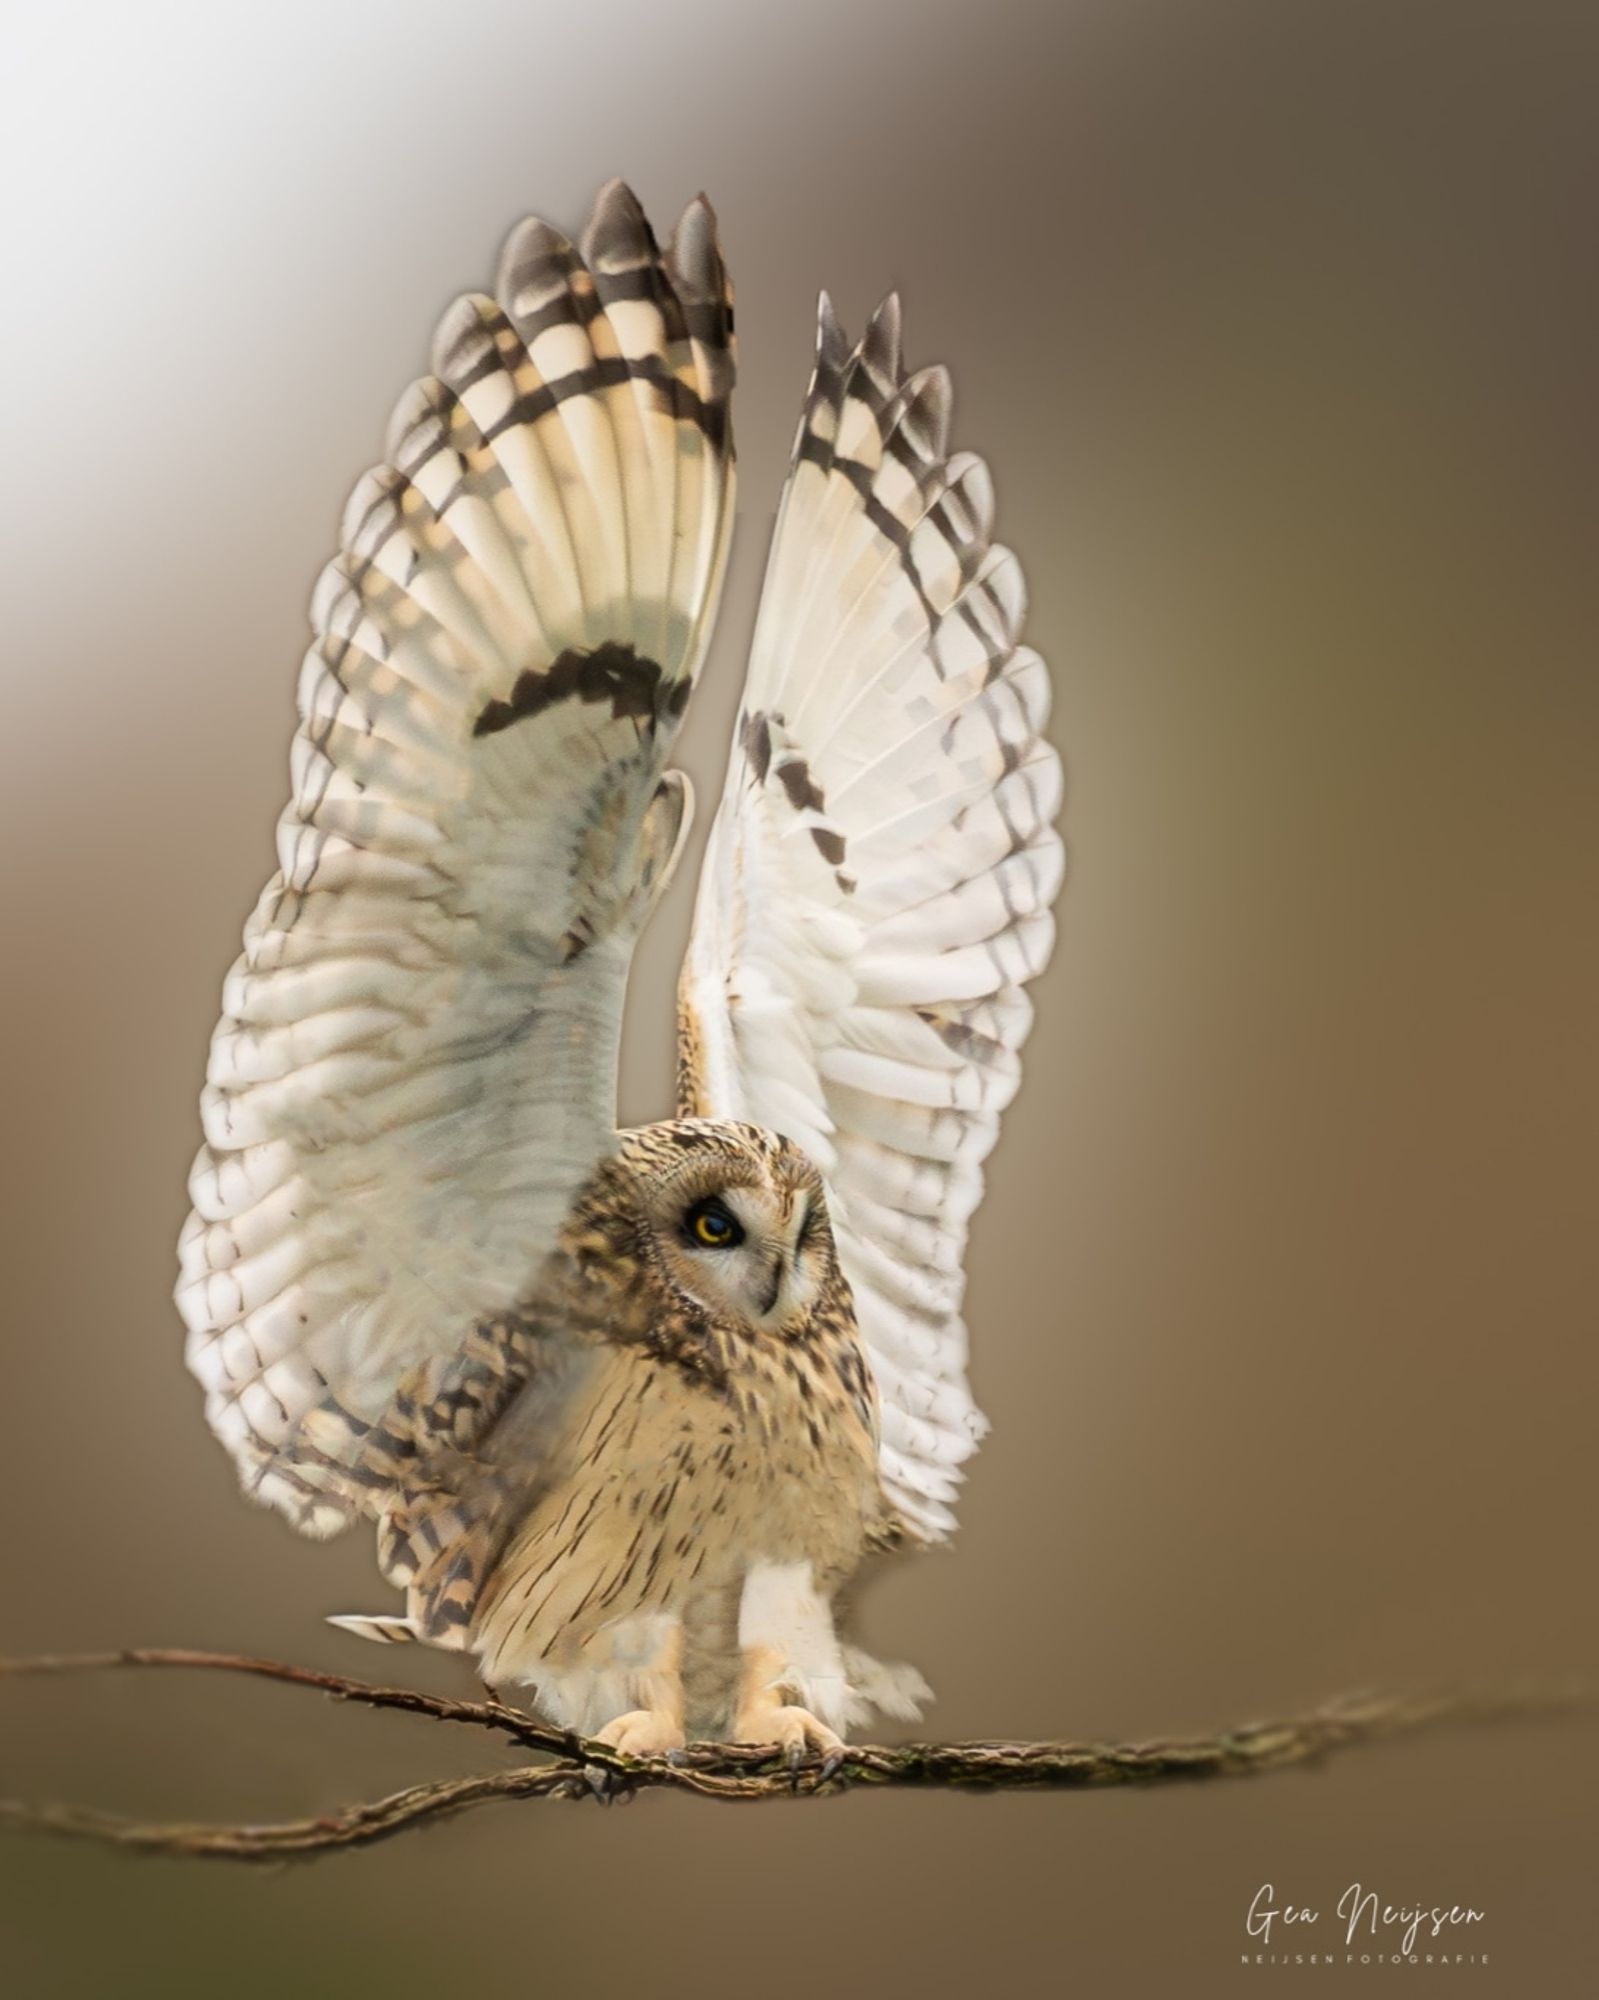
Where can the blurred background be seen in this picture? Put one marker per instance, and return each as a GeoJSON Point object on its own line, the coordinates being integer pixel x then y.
{"type": "Point", "coordinates": [1276, 323]}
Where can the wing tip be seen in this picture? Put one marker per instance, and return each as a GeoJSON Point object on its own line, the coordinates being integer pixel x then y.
{"type": "Point", "coordinates": [880, 350]}
{"type": "Point", "coordinates": [617, 237]}
{"type": "Point", "coordinates": [535, 266]}
{"type": "Point", "coordinates": [695, 255]}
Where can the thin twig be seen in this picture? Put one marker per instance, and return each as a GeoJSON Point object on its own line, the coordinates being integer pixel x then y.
{"type": "Point", "coordinates": [524, 1729]}
{"type": "Point", "coordinates": [584, 1769]}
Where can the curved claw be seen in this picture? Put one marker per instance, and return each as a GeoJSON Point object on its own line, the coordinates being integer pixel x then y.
{"type": "Point", "coordinates": [832, 1763]}
{"type": "Point", "coordinates": [604, 1784]}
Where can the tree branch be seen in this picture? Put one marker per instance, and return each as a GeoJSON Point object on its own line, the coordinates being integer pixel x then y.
{"type": "Point", "coordinates": [585, 1769]}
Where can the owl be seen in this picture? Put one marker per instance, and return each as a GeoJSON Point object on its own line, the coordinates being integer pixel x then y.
{"type": "Point", "coordinates": [628, 1410]}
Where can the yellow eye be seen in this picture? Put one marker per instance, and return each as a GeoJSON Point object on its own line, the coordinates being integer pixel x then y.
{"type": "Point", "coordinates": [709, 1224]}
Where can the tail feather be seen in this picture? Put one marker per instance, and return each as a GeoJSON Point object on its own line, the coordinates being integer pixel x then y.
{"type": "Point", "coordinates": [377, 1626]}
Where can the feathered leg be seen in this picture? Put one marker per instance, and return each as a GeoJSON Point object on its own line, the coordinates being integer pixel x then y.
{"type": "Point", "coordinates": [655, 1728]}
{"type": "Point", "coordinates": [789, 1663]}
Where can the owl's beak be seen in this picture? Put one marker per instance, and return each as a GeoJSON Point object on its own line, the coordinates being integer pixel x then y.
{"type": "Point", "coordinates": [775, 1289]}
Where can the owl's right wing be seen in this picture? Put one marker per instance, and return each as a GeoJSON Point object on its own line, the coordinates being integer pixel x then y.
{"type": "Point", "coordinates": [415, 1067]}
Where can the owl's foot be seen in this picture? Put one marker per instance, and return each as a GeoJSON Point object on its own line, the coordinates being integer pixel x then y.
{"type": "Point", "coordinates": [644, 1732]}
{"type": "Point", "coordinates": [766, 1715]}
{"type": "Point", "coordinates": [791, 1729]}
{"type": "Point", "coordinates": [655, 1727]}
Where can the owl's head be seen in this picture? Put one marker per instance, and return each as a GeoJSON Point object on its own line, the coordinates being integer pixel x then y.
{"type": "Point", "coordinates": [736, 1215]}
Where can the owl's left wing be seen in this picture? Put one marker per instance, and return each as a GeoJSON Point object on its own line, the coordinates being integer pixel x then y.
{"type": "Point", "coordinates": [415, 1068]}
{"type": "Point", "coordinates": [878, 884]}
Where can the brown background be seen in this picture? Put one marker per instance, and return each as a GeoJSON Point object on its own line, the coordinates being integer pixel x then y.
{"type": "Point", "coordinates": [1276, 323]}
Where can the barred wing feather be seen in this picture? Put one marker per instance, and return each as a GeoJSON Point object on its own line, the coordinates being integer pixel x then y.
{"type": "Point", "coordinates": [878, 885]}
{"type": "Point", "coordinates": [415, 1067]}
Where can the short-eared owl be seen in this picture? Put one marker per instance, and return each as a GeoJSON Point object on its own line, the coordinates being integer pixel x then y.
{"type": "Point", "coordinates": [627, 1409]}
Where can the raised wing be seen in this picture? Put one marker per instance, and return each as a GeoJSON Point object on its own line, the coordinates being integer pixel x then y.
{"type": "Point", "coordinates": [880, 874]}
{"type": "Point", "coordinates": [415, 1067]}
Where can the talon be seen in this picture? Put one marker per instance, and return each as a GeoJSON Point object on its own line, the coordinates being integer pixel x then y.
{"type": "Point", "coordinates": [793, 1733]}
{"type": "Point", "coordinates": [831, 1765]}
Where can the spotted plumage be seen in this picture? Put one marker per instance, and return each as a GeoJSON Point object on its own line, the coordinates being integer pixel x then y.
{"type": "Point", "coordinates": [627, 1410]}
